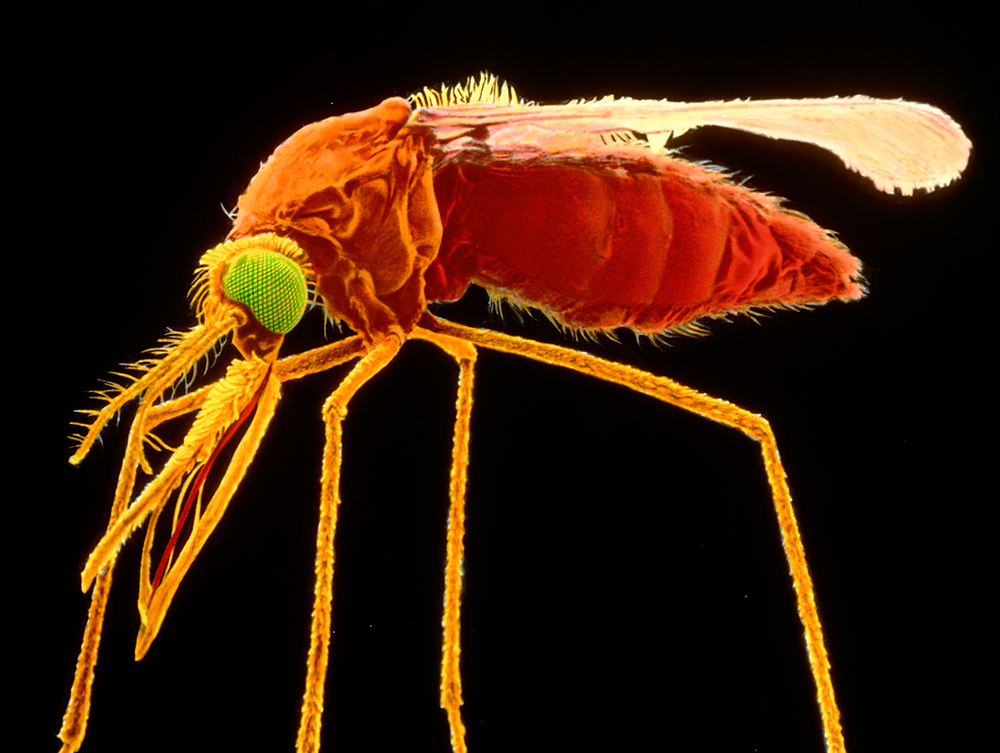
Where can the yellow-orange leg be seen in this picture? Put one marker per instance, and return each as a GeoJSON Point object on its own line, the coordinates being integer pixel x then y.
{"type": "Point", "coordinates": [175, 360]}
{"type": "Point", "coordinates": [75, 719]}
{"type": "Point", "coordinates": [751, 424]}
{"type": "Point", "coordinates": [451, 676]}
{"type": "Point", "coordinates": [334, 412]}
{"type": "Point", "coordinates": [78, 709]}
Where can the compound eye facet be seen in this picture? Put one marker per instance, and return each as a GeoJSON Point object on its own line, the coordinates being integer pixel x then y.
{"type": "Point", "coordinates": [272, 286]}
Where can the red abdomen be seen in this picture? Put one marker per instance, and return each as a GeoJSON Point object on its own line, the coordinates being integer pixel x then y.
{"type": "Point", "coordinates": [648, 243]}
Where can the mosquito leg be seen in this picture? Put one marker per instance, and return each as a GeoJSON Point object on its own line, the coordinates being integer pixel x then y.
{"type": "Point", "coordinates": [319, 359]}
{"type": "Point", "coordinates": [750, 424]}
{"type": "Point", "coordinates": [78, 710]}
{"type": "Point", "coordinates": [74, 726]}
{"type": "Point", "coordinates": [334, 411]}
{"type": "Point", "coordinates": [451, 677]}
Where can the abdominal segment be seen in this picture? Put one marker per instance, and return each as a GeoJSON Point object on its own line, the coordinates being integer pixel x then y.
{"type": "Point", "coordinates": [648, 243]}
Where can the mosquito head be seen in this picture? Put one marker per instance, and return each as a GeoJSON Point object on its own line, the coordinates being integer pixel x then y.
{"type": "Point", "coordinates": [264, 277]}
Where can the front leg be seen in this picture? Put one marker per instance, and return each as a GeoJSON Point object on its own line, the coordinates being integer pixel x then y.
{"type": "Point", "coordinates": [334, 412]}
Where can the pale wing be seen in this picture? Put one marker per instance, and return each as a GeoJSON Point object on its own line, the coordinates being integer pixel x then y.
{"type": "Point", "coordinates": [897, 144]}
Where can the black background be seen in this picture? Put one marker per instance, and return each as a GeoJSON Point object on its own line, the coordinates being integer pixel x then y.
{"type": "Point", "coordinates": [625, 585]}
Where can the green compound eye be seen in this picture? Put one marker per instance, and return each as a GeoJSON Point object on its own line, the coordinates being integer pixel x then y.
{"type": "Point", "coordinates": [270, 285]}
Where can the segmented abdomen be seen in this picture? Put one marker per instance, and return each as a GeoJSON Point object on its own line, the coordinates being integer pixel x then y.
{"type": "Point", "coordinates": [649, 243]}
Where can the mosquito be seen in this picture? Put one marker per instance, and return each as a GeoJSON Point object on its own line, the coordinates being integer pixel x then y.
{"type": "Point", "coordinates": [577, 211]}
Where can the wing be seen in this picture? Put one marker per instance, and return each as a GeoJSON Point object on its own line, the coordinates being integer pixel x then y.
{"type": "Point", "coordinates": [897, 144]}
